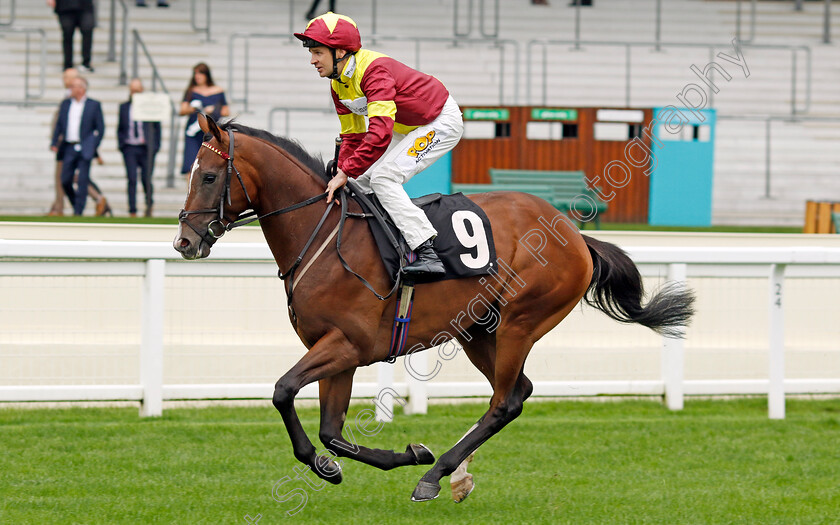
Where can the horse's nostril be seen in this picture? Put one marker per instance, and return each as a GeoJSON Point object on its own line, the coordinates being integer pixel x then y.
{"type": "Point", "coordinates": [184, 242]}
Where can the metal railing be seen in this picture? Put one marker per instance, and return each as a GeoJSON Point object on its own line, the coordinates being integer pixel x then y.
{"type": "Point", "coordinates": [827, 23]}
{"type": "Point", "coordinates": [112, 38]}
{"type": "Point", "coordinates": [657, 16]}
{"type": "Point", "coordinates": [482, 17]}
{"type": "Point", "coordinates": [492, 42]}
{"type": "Point", "coordinates": [768, 141]}
{"type": "Point", "coordinates": [138, 44]}
{"type": "Point", "coordinates": [496, 43]}
{"type": "Point", "coordinates": [294, 24]}
{"type": "Point", "coordinates": [326, 110]}
{"type": "Point", "coordinates": [11, 16]}
{"type": "Point", "coordinates": [246, 64]}
{"type": "Point", "coordinates": [194, 23]}
{"type": "Point", "coordinates": [794, 50]}
{"type": "Point", "coordinates": [797, 6]}
{"type": "Point", "coordinates": [30, 97]}
{"type": "Point", "coordinates": [738, 21]}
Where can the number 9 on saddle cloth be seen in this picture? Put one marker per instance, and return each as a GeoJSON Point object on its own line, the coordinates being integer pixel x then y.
{"type": "Point", "coordinates": [464, 241]}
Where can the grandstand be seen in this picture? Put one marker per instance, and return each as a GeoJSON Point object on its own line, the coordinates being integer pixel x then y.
{"type": "Point", "coordinates": [251, 55]}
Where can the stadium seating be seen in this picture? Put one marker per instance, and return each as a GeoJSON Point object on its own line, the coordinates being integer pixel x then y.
{"type": "Point", "coordinates": [803, 157]}
{"type": "Point", "coordinates": [542, 191]}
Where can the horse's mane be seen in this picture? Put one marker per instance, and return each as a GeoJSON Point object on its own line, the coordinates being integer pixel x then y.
{"type": "Point", "coordinates": [292, 147]}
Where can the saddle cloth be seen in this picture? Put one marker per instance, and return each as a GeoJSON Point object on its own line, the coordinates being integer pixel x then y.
{"type": "Point", "coordinates": [464, 241]}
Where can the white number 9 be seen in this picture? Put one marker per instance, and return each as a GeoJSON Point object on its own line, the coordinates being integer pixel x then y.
{"type": "Point", "coordinates": [477, 240]}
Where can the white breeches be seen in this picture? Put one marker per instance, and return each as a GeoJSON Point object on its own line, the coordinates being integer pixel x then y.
{"type": "Point", "coordinates": [406, 156]}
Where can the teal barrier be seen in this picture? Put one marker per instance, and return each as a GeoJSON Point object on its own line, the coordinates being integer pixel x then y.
{"type": "Point", "coordinates": [437, 178]}
{"type": "Point", "coordinates": [682, 167]}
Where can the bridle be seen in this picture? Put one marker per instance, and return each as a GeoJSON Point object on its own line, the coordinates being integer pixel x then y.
{"type": "Point", "coordinates": [217, 227]}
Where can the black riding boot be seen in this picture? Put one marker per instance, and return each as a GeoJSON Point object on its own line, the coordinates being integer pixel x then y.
{"type": "Point", "coordinates": [427, 261]}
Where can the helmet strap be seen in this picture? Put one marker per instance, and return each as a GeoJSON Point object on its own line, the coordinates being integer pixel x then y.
{"type": "Point", "coordinates": [335, 74]}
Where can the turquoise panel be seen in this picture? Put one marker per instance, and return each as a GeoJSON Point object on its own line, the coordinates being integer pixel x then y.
{"type": "Point", "coordinates": [437, 178]}
{"type": "Point", "coordinates": [681, 181]}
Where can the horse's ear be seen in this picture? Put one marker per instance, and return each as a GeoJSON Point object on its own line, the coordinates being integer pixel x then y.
{"type": "Point", "coordinates": [208, 126]}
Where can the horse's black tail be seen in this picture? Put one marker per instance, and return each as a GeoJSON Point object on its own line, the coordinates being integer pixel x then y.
{"type": "Point", "coordinates": [616, 289]}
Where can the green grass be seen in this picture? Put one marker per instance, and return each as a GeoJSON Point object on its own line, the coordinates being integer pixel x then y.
{"type": "Point", "coordinates": [567, 462]}
{"type": "Point", "coordinates": [604, 226]}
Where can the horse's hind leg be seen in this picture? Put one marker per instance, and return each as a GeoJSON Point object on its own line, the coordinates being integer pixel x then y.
{"type": "Point", "coordinates": [481, 350]}
{"type": "Point", "coordinates": [334, 393]}
{"type": "Point", "coordinates": [461, 481]}
{"type": "Point", "coordinates": [505, 405]}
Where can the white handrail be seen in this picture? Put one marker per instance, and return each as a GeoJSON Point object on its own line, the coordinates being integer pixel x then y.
{"type": "Point", "coordinates": [156, 260]}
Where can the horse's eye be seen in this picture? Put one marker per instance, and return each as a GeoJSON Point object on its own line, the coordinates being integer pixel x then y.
{"type": "Point", "coordinates": [209, 179]}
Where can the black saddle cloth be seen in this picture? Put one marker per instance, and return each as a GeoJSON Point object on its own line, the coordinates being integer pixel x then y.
{"type": "Point", "coordinates": [464, 241]}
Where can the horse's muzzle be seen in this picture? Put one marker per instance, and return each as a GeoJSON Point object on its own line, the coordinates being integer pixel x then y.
{"type": "Point", "coordinates": [191, 250]}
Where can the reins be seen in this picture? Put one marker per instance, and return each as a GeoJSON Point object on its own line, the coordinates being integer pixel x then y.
{"type": "Point", "coordinates": [216, 228]}
{"type": "Point", "coordinates": [212, 234]}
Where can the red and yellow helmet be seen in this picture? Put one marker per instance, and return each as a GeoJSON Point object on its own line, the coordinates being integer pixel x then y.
{"type": "Point", "coordinates": [332, 30]}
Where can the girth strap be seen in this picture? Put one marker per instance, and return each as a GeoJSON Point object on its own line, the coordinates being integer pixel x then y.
{"type": "Point", "coordinates": [343, 199]}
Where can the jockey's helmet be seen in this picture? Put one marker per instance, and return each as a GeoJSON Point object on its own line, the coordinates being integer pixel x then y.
{"type": "Point", "coordinates": [332, 30]}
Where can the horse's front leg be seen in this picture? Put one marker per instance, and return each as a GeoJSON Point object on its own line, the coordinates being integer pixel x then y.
{"type": "Point", "coordinates": [331, 355]}
{"type": "Point", "coordinates": [334, 394]}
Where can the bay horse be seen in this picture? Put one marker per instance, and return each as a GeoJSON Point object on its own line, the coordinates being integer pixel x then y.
{"type": "Point", "coordinates": [548, 268]}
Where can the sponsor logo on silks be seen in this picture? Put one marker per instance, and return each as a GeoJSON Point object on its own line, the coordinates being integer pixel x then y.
{"type": "Point", "coordinates": [359, 106]}
{"type": "Point", "coordinates": [423, 145]}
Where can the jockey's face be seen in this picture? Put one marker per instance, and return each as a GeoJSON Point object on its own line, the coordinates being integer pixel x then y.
{"type": "Point", "coordinates": [322, 59]}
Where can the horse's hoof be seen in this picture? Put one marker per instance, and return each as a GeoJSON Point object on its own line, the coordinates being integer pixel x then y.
{"type": "Point", "coordinates": [422, 454]}
{"type": "Point", "coordinates": [462, 488]}
{"type": "Point", "coordinates": [328, 470]}
{"type": "Point", "coordinates": [425, 491]}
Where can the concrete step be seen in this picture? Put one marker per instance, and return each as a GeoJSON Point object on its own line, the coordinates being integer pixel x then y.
{"type": "Point", "coordinates": [802, 157]}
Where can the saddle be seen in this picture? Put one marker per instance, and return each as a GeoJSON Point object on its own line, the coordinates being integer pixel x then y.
{"type": "Point", "coordinates": [464, 241]}
{"type": "Point", "coordinates": [464, 244]}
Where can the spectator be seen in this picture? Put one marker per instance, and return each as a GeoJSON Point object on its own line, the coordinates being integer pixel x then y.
{"type": "Point", "coordinates": [133, 139]}
{"type": "Point", "coordinates": [57, 208]}
{"type": "Point", "coordinates": [201, 95]}
{"type": "Point", "coordinates": [80, 127]}
{"type": "Point", "coordinates": [161, 3]}
{"type": "Point", "coordinates": [74, 14]}
{"type": "Point", "coordinates": [313, 11]}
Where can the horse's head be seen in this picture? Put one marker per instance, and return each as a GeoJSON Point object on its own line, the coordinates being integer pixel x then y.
{"type": "Point", "coordinates": [216, 193]}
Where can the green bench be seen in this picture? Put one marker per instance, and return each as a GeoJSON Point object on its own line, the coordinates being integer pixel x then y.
{"type": "Point", "coordinates": [835, 218]}
{"type": "Point", "coordinates": [565, 185]}
{"type": "Point", "coordinates": [543, 191]}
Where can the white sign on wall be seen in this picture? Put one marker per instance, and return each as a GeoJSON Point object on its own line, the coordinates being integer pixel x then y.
{"type": "Point", "coordinates": [150, 107]}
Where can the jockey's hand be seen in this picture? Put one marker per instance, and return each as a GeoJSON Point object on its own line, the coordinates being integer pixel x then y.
{"type": "Point", "coordinates": [335, 183]}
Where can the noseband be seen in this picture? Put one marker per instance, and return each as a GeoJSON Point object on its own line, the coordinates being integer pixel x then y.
{"type": "Point", "coordinates": [217, 227]}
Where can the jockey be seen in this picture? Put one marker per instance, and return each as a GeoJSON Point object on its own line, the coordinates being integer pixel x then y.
{"type": "Point", "coordinates": [412, 122]}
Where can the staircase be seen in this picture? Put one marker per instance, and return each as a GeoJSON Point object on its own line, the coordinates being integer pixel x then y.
{"type": "Point", "coordinates": [803, 159]}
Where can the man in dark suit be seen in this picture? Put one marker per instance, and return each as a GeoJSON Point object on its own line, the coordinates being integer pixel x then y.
{"type": "Point", "coordinates": [78, 132]}
{"type": "Point", "coordinates": [139, 142]}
